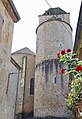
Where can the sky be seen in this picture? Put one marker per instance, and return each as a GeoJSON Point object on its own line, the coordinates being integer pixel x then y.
{"type": "Point", "coordinates": [25, 30]}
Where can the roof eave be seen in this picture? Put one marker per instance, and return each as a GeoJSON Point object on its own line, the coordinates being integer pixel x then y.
{"type": "Point", "coordinates": [15, 63]}
{"type": "Point", "coordinates": [11, 9]}
{"type": "Point", "coordinates": [14, 10]}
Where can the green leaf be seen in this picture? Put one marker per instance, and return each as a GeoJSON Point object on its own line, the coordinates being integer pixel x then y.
{"type": "Point", "coordinates": [80, 62]}
{"type": "Point", "coordinates": [75, 88]}
{"type": "Point", "coordinates": [74, 93]}
{"type": "Point", "coordinates": [69, 102]}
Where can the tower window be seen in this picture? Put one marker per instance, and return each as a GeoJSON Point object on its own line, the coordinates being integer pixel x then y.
{"type": "Point", "coordinates": [54, 80]}
{"type": "Point", "coordinates": [48, 13]}
{"type": "Point", "coordinates": [32, 86]}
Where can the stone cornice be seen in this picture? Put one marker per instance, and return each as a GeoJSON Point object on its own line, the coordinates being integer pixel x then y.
{"type": "Point", "coordinates": [11, 9]}
{"type": "Point", "coordinates": [53, 20]}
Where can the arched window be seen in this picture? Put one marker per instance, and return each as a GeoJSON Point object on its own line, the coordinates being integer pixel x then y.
{"type": "Point", "coordinates": [32, 86]}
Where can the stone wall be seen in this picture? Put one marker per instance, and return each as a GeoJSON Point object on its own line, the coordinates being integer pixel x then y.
{"type": "Point", "coordinates": [11, 91]}
{"type": "Point", "coordinates": [53, 35]}
{"type": "Point", "coordinates": [6, 33]}
{"type": "Point", "coordinates": [27, 106]}
{"type": "Point", "coordinates": [64, 17]}
{"type": "Point", "coordinates": [79, 47]}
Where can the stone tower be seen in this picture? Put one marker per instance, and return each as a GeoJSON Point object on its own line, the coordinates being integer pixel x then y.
{"type": "Point", "coordinates": [54, 33]}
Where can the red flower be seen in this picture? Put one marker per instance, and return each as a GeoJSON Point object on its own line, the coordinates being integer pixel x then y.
{"type": "Point", "coordinates": [58, 54]}
{"type": "Point", "coordinates": [81, 67]}
{"type": "Point", "coordinates": [78, 68]}
{"type": "Point", "coordinates": [68, 50]}
{"type": "Point", "coordinates": [62, 52]}
{"type": "Point", "coordinates": [62, 70]}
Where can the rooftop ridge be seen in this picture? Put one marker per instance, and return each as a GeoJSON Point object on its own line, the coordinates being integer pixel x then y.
{"type": "Point", "coordinates": [54, 11]}
{"type": "Point", "coordinates": [24, 50]}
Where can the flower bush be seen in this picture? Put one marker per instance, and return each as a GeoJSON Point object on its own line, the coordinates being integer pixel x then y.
{"type": "Point", "coordinates": [75, 70]}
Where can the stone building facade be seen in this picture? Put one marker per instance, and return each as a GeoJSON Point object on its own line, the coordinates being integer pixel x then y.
{"type": "Point", "coordinates": [54, 33]}
{"type": "Point", "coordinates": [25, 96]}
{"type": "Point", "coordinates": [8, 16]}
{"type": "Point", "coordinates": [78, 36]}
{"type": "Point", "coordinates": [12, 87]}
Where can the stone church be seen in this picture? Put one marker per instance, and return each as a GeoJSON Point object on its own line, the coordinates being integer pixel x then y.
{"type": "Point", "coordinates": [30, 83]}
